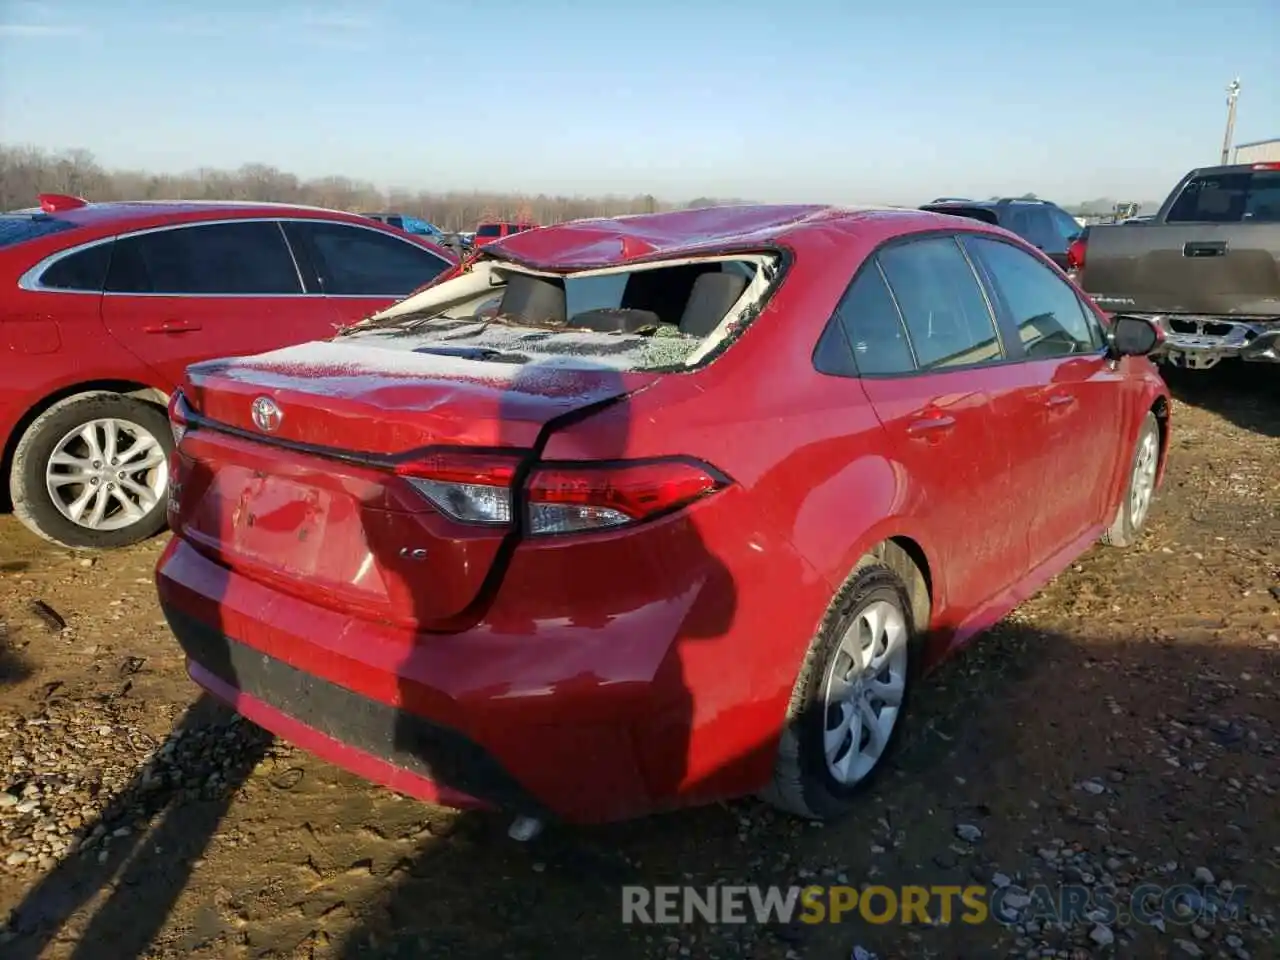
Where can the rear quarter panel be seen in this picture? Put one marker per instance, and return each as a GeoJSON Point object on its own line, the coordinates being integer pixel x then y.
{"type": "Point", "coordinates": [812, 492]}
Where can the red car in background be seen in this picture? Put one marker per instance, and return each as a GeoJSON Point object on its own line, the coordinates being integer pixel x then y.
{"type": "Point", "coordinates": [499, 230]}
{"type": "Point", "coordinates": [102, 306]}
{"type": "Point", "coordinates": [685, 524]}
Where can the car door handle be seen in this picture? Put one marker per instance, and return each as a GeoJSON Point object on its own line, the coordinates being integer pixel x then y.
{"type": "Point", "coordinates": [930, 426]}
{"type": "Point", "coordinates": [172, 326]}
{"type": "Point", "coordinates": [1060, 400]}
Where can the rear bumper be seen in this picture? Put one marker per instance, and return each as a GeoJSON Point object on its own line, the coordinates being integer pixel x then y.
{"type": "Point", "coordinates": [581, 719]}
{"type": "Point", "coordinates": [399, 750]}
{"type": "Point", "coordinates": [1198, 342]}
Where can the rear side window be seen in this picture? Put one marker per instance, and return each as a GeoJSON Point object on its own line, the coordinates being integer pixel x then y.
{"type": "Point", "coordinates": [249, 258]}
{"type": "Point", "coordinates": [85, 270]}
{"type": "Point", "coordinates": [20, 228]}
{"type": "Point", "coordinates": [489, 230]}
{"type": "Point", "coordinates": [873, 326]}
{"type": "Point", "coordinates": [1066, 226]}
{"type": "Point", "coordinates": [1229, 198]}
{"type": "Point", "coordinates": [1034, 225]}
{"type": "Point", "coordinates": [356, 262]}
{"type": "Point", "coordinates": [942, 303]}
{"type": "Point", "coordinates": [1050, 319]}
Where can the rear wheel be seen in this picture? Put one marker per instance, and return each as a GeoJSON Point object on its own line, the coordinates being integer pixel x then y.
{"type": "Point", "coordinates": [93, 471]}
{"type": "Point", "coordinates": [845, 709]}
{"type": "Point", "coordinates": [1131, 517]}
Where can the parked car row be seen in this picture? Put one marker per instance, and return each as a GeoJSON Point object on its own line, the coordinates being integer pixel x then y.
{"type": "Point", "coordinates": [460, 243]}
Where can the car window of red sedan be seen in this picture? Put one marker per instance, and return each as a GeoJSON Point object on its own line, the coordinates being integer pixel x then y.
{"type": "Point", "coordinates": [83, 271]}
{"type": "Point", "coordinates": [248, 257]}
{"type": "Point", "coordinates": [1047, 312]}
{"type": "Point", "coordinates": [354, 261]}
{"type": "Point", "coordinates": [874, 327]}
{"type": "Point", "coordinates": [942, 303]}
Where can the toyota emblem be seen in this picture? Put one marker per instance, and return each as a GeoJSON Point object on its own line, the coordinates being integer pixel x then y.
{"type": "Point", "coordinates": [266, 414]}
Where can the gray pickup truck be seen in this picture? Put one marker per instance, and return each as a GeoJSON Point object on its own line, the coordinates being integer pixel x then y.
{"type": "Point", "coordinates": [1206, 268]}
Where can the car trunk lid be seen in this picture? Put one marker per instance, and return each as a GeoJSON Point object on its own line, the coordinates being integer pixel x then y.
{"type": "Point", "coordinates": [322, 494]}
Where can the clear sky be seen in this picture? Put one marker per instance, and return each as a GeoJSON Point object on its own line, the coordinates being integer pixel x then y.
{"type": "Point", "coordinates": [821, 100]}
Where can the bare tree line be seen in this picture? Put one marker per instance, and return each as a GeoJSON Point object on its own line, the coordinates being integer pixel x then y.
{"type": "Point", "coordinates": [28, 171]}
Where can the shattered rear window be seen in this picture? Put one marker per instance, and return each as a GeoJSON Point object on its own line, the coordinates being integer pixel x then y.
{"type": "Point", "coordinates": [647, 318]}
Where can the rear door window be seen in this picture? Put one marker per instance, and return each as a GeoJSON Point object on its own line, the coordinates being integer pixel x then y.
{"type": "Point", "coordinates": [84, 271]}
{"type": "Point", "coordinates": [1034, 225]}
{"type": "Point", "coordinates": [1066, 226]}
{"type": "Point", "coordinates": [1048, 315]}
{"type": "Point", "coordinates": [357, 262]}
{"type": "Point", "coordinates": [942, 304]}
{"type": "Point", "coordinates": [248, 258]}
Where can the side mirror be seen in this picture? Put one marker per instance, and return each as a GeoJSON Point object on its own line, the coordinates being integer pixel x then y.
{"type": "Point", "coordinates": [1131, 336]}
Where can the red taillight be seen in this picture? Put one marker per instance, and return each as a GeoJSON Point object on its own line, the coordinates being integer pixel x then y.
{"type": "Point", "coordinates": [178, 416]}
{"type": "Point", "coordinates": [558, 497]}
{"type": "Point", "coordinates": [568, 498]}
{"type": "Point", "coordinates": [470, 488]}
{"type": "Point", "coordinates": [178, 424]}
{"type": "Point", "coordinates": [1267, 166]}
{"type": "Point", "coordinates": [1075, 255]}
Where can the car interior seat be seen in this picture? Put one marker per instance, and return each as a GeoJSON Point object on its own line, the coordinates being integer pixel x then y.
{"type": "Point", "coordinates": [709, 300]}
{"type": "Point", "coordinates": [534, 300]}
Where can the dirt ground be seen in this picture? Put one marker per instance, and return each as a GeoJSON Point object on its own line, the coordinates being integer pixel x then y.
{"type": "Point", "coordinates": [1119, 729]}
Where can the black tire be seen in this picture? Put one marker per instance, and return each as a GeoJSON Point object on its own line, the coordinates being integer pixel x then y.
{"type": "Point", "coordinates": [1124, 532]}
{"type": "Point", "coordinates": [32, 502]}
{"type": "Point", "coordinates": [802, 783]}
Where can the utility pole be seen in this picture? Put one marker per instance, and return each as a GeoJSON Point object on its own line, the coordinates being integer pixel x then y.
{"type": "Point", "coordinates": [1233, 94]}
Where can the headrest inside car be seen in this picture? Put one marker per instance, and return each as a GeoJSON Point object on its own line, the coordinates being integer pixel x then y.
{"type": "Point", "coordinates": [712, 296]}
{"type": "Point", "coordinates": [534, 300]}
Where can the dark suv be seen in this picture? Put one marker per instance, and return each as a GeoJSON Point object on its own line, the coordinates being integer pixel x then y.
{"type": "Point", "coordinates": [1041, 223]}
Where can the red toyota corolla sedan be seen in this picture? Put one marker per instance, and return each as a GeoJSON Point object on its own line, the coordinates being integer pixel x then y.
{"type": "Point", "coordinates": [630, 514]}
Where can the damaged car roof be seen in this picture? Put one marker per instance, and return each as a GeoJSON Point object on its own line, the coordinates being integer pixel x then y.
{"type": "Point", "coordinates": [620, 240]}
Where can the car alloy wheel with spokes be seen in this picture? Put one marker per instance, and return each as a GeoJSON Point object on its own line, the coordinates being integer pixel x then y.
{"type": "Point", "coordinates": [107, 474]}
{"type": "Point", "coordinates": [1131, 516]}
{"type": "Point", "coordinates": [1143, 485]}
{"type": "Point", "coordinates": [92, 470]}
{"type": "Point", "coordinates": [853, 687]}
{"type": "Point", "coordinates": [865, 685]}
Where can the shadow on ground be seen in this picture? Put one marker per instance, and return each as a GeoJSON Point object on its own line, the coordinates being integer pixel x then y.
{"type": "Point", "coordinates": [1001, 739]}
{"type": "Point", "coordinates": [1246, 394]}
{"type": "Point", "coordinates": [14, 667]}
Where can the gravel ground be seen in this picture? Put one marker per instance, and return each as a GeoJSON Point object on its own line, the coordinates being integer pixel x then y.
{"type": "Point", "coordinates": [1118, 730]}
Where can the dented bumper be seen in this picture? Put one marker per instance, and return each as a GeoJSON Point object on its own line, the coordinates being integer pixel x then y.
{"type": "Point", "coordinates": [1196, 342]}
